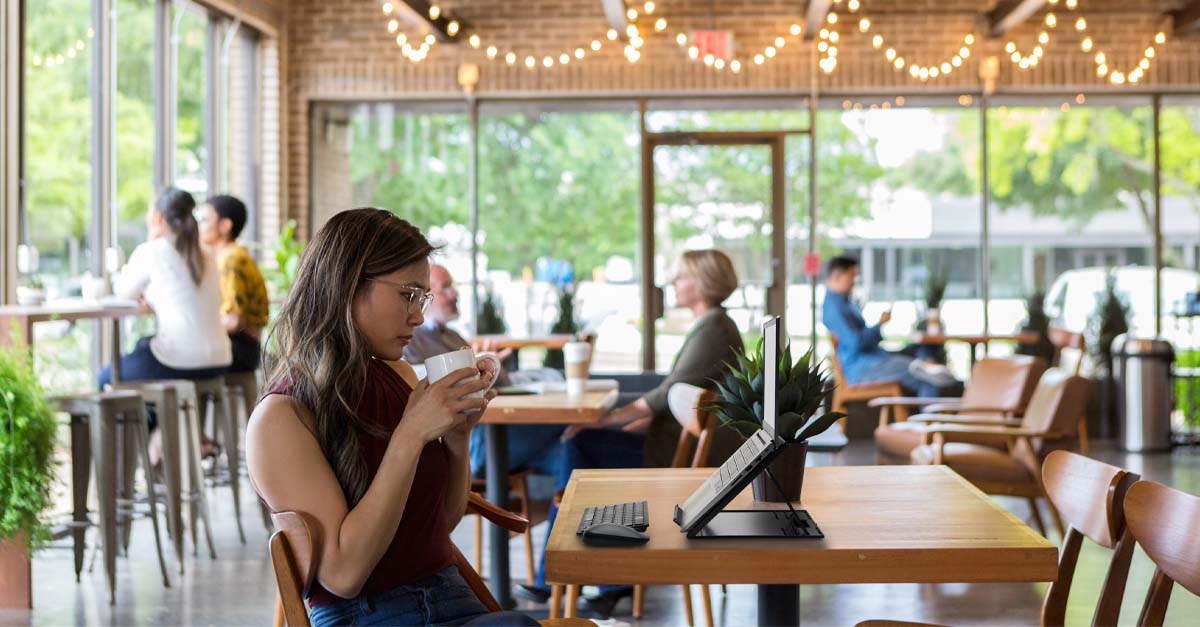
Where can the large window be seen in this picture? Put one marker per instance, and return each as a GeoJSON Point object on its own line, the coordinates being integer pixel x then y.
{"type": "Point", "coordinates": [899, 190]}
{"type": "Point", "coordinates": [558, 210]}
{"type": "Point", "coordinates": [135, 120]}
{"type": "Point", "coordinates": [191, 41]}
{"type": "Point", "coordinates": [1072, 185]}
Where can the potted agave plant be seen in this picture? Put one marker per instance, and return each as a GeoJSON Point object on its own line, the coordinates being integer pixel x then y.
{"type": "Point", "coordinates": [802, 388]}
{"type": "Point", "coordinates": [27, 436]}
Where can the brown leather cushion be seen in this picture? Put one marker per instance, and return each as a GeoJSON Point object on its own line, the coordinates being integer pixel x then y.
{"type": "Point", "coordinates": [897, 440]}
{"type": "Point", "coordinates": [975, 462]}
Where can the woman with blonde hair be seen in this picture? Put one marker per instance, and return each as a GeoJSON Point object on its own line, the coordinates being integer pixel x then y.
{"type": "Point", "coordinates": [348, 436]}
{"type": "Point", "coordinates": [644, 433]}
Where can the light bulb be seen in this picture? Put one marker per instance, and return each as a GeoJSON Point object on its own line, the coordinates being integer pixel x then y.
{"type": "Point", "coordinates": [452, 28]}
{"type": "Point", "coordinates": [530, 62]}
{"type": "Point", "coordinates": [831, 17]}
{"type": "Point", "coordinates": [648, 8]}
{"type": "Point", "coordinates": [611, 34]}
{"type": "Point", "coordinates": [579, 53]}
{"type": "Point", "coordinates": [491, 53]}
{"type": "Point", "coordinates": [393, 26]}
{"type": "Point", "coordinates": [595, 45]}
{"type": "Point", "coordinates": [1160, 38]}
{"type": "Point", "coordinates": [969, 39]}
{"type": "Point", "coordinates": [434, 11]}
{"type": "Point", "coordinates": [914, 71]}
{"type": "Point", "coordinates": [834, 36]}
{"type": "Point", "coordinates": [1150, 52]}
{"type": "Point", "coordinates": [1100, 58]}
{"type": "Point", "coordinates": [758, 59]}
{"type": "Point", "coordinates": [631, 31]}
{"type": "Point", "coordinates": [548, 62]}
{"type": "Point", "coordinates": [852, 5]}
{"type": "Point", "coordinates": [681, 39]}
{"type": "Point", "coordinates": [795, 30]}
{"type": "Point", "coordinates": [1080, 24]}
{"type": "Point", "coordinates": [822, 46]}
{"type": "Point", "coordinates": [899, 63]}
{"type": "Point", "coordinates": [636, 41]}
{"type": "Point", "coordinates": [1144, 64]}
{"type": "Point", "coordinates": [660, 25]}
{"type": "Point", "coordinates": [1071, 4]}
{"type": "Point", "coordinates": [1016, 57]}
{"type": "Point", "coordinates": [832, 51]}
{"type": "Point", "coordinates": [1101, 70]}
{"type": "Point", "coordinates": [564, 58]}
{"type": "Point", "coordinates": [1038, 51]}
{"type": "Point", "coordinates": [779, 42]}
{"type": "Point", "coordinates": [693, 53]}
{"type": "Point", "coordinates": [708, 59]}
{"type": "Point", "coordinates": [864, 25]}
{"type": "Point", "coordinates": [956, 61]}
{"type": "Point", "coordinates": [401, 40]}
{"type": "Point", "coordinates": [388, 8]}
{"type": "Point", "coordinates": [933, 72]}
{"type": "Point", "coordinates": [473, 40]}
{"type": "Point", "coordinates": [509, 58]}
{"type": "Point", "coordinates": [430, 39]}
{"type": "Point", "coordinates": [877, 41]}
{"type": "Point", "coordinates": [824, 33]}
{"type": "Point", "coordinates": [632, 14]}
{"type": "Point", "coordinates": [735, 66]}
{"type": "Point", "coordinates": [1010, 47]}
{"type": "Point", "coordinates": [1117, 78]}
{"type": "Point", "coordinates": [1086, 44]}
{"type": "Point", "coordinates": [890, 54]}
{"type": "Point", "coordinates": [1051, 21]}
{"type": "Point", "coordinates": [719, 64]}
{"type": "Point", "coordinates": [1043, 37]}
{"type": "Point", "coordinates": [946, 68]}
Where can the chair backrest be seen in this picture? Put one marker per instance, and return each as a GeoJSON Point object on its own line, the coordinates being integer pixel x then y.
{"type": "Point", "coordinates": [1058, 402]}
{"type": "Point", "coordinates": [1165, 522]}
{"type": "Point", "coordinates": [1073, 342]}
{"type": "Point", "coordinates": [686, 402]}
{"type": "Point", "coordinates": [1004, 383]}
{"type": "Point", "coordinates": [1090, 496]}
{"type": "Point", "coordinates": [294, 554]}
{"type": "Point", "coordinates": [839, 377]}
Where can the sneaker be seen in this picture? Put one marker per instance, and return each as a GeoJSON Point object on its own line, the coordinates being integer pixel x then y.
{"type": "Point", "coordinates": [604, 603]}
{"type": "Point", "coordinates": [534, 594]}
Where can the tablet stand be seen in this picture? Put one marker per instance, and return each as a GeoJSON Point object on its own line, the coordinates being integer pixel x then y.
{"type": "Point", "coordinates": [762, 523]}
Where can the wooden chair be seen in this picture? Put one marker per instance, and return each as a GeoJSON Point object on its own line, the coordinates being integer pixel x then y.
{"type": "Point", "coordinates": [518, 500]}
{"type": "Point", "coordinates": [1164, 521]}
{"type": "Point", "coordinates": [1071, 347]}
{"type": "Point", "coordinates": [998, 387]}
{"type": "Point", "coordinates": [1048, 425]}
{"type": "Point", "coordinates": [695, 443]}
{"type": "Point", "coordinates": [1089, 494]}
{"type": "Point", "coordinates": [295, 554]}
{"type": "Point", "coordinates": [846, 392]}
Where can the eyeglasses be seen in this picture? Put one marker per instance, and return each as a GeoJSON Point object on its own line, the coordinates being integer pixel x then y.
{"type": "Point", "coordinates": [415, 296]}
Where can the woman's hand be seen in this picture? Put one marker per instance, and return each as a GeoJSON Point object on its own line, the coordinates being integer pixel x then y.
{"type": "Point", "coordinates": [458, 439]}
{"type": "Point", "coordinates": [435, 409]}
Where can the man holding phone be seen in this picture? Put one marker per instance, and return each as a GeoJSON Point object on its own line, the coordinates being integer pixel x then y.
{"type": "Point", "coordinates": [862, 358]}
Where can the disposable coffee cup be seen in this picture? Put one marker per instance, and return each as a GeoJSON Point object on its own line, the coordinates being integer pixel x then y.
{"type": "Point", "coordinates": [439, 366]}
{"type": "Point", "coordinates": [578, 359]}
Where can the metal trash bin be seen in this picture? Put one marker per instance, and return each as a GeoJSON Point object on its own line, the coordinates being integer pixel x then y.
{"type": "Point", "coordinates": [1145, 398]}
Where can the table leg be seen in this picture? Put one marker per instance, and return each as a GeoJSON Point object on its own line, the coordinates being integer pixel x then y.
{"type": "Point", "coordinates": [497, 493]}
{"type": "Point", "coordinates": [778, 604]}
{"type": "Point", "coordinates": [116, 350]}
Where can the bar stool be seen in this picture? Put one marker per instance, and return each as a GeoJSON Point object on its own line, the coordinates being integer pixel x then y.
{"type": "Point", "coordinates": [212, 397]}
{"type": "Point", "coordinates": [174, 400]}
{"type": "Point", "coordinates": [108, 429]}
{"type": "Point", "coordinates": [242, 389]}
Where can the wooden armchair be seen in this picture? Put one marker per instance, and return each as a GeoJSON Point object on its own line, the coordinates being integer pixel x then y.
{"type": "Point", "coordinates": [295, 551]}
{"type": "Point", "coordinates": [846, 392]}
{"type": "Point", "coordinates": [1069, 352]}
{"type": "Point", "coordinates": [1164, 521]}
{"type": "Point", "coordinates": [1048, 424]}
{"type": "Point", "coordinates": [998, 387]}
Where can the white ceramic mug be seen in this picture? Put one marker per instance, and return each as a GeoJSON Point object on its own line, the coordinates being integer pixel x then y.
{"type": "Point", "coordinates": [577, 357]}
{"type": "Point", "coordinates": [439, 366]}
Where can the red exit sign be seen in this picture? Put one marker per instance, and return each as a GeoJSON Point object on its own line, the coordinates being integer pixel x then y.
{"type": "Point", "coordinates": [718, 43]}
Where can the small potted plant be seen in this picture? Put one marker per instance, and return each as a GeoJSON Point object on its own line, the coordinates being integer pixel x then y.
{"type": "Point", "coordinates": [1036, 321]}
{"type": "Point", "coordinates": [1108, 320]}
{"type": "Point", "coordinates": [27, 437]}
{"type": "Point", "coordinates": [32, 291]}
{"type": "Point", "coordinates": [565, 325]}
{"type": "Point", "coordinates": [801, 391]}
{"type": "Point", "coordinates": [491, 315]}
{"type": "Point", "coordinates": [935, 291]}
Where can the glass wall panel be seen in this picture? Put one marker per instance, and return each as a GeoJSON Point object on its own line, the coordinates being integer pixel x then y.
{"type": "Point", "coordinates": [1179, 125]}
{"type": "Point", "coordinates": [57, 222]}
{"type": "Point", "coordinates": [558, 210]}
{"type": "Point", "coordinates": [898, 189]}
{"type": "Point", "coordinates": [135, 121]}
{"type": "Point", "coordinates": [191, 92]}
{"type": "Point", "coordinates": [1072, 200]}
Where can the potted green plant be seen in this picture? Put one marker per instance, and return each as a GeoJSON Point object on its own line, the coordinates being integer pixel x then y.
{"type": "Point", "coordinates": [27, 436]}
{"type": "Point", "coordinates": [1036, 321]}
{"type": "Point", "coordinates": [801, 391]}
{"type": "Point", "coordinates": [31, 291]}
{"type": "Point", "coordinates": [936, 282]}
{"type": "Point", "coordinates": [565, 325]}
{"type": "Point", "coordinates": [1108, 320]}
{"type": "Point", "coordinates": [491, 315]}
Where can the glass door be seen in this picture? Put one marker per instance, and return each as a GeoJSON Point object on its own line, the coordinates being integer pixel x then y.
{"type": "Point", "coordinates": [714, 190]}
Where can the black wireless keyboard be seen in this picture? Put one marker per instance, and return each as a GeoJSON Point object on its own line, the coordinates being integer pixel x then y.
{"type": "Point", "coordinates": [626, 514]}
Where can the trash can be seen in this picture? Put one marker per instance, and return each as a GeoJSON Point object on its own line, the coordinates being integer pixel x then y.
{"type": "Point", "coordinates": [1145, 398]}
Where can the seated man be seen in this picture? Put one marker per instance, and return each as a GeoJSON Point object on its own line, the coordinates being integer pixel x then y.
{"type": "Point", "coordinates": [244, 303]}
{"type": "Point", "coordinates": [529, 446]}
{"type": "Point", "coordinates": [862, 359]}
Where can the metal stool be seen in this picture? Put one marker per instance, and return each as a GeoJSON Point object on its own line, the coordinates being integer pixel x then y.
{"type": "Point", "coordinates": [212, 397]}
{"type": "Point", "coordinates": [178, 419]}
{"type": "Point", "coordinates": [242, 389]}
{"type": "Point", "coordinates": [107, 430]}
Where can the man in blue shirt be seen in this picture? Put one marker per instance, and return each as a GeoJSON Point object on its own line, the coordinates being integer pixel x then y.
{"type": "Point", "coordinates": [862, 358]}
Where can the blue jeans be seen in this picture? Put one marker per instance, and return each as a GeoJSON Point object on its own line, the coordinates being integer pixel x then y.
{"type": "Point", "coordinates": [894, 367]}
{"type": "Point", "coordinates": [592, 448]}
{"type": "Point", "coordinates": [440, 599]}
{"type": "Point", "coordinates": [529, 446]}
{"type": "Point", "coordinates": [142, 365]}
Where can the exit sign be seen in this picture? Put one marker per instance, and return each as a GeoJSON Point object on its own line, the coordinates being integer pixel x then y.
{"type": "Point", "coordinates": [718, 43]}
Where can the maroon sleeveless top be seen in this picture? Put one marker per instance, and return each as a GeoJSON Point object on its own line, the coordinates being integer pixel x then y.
{"type": "Point", "coordinates": [421, 546]}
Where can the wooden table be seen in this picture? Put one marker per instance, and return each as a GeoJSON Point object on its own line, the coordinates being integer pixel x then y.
{"type": "Point", "coordinates": [554, 408]}
{"type": "Point", "coordinates": [1024, 337]}
{"type": "Point", "coordinates": [27, 315]}
{"type": "Point", "coordinates": [882, 524]}
{"type": "Point", "coordinates": [517, 343]}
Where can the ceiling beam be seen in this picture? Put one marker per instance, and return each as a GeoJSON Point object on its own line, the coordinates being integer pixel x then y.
{"type": "Point", "coordinates": [1009, 13]}
{"type": "Point", "coordinates": [418, 11]}
{"type": "Point", "coordinates": [815, 16]}
{"type": "Point", "coordinates": [1187, 19]}
{"type": "Point", "coordinates": [614, 12]}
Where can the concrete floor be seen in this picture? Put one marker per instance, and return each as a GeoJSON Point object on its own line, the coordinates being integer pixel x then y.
{"type": "Point", "coordinates": [238, 587]}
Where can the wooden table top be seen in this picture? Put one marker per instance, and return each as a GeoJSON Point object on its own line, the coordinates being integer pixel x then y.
{"type": "Point", "coordinates": [550, 408]}
{"type": "Point", "coordinates": [882, 524]}
{"type": "Point", "coordinates": [516, 343]}
{"type": "Point", "coordinates": [941, 338]}
{"type": "Point", "coordinates": [75, 310]}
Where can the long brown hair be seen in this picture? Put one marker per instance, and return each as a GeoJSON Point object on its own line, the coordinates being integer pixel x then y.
{"type": "Point", "coordinates": [322, 356]}
{"type": "Point", "coordinates": [176, 206]}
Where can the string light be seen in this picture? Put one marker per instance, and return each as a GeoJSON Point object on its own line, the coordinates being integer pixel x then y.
{"type": "Point", "coordinates": [892, 57]}
{"type": "Point", "coordinates": [71, 51]}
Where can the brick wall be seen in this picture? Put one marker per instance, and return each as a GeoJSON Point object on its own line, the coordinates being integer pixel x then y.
{"type": "Point", "coordinates": [341, 50]}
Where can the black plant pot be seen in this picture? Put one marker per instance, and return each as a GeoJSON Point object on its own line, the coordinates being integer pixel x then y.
{"type": "Point", "coordinates": [788, 469]}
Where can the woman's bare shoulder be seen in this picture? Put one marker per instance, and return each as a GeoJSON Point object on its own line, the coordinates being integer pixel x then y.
{"type": "Point", "coordinates": [406, 372]}
{"type": "Point", "coordinates": [279, 412]}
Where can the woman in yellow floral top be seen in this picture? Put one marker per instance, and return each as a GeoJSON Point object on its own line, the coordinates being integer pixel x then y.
{"type": "Point", "coordinates": [243, 293]}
